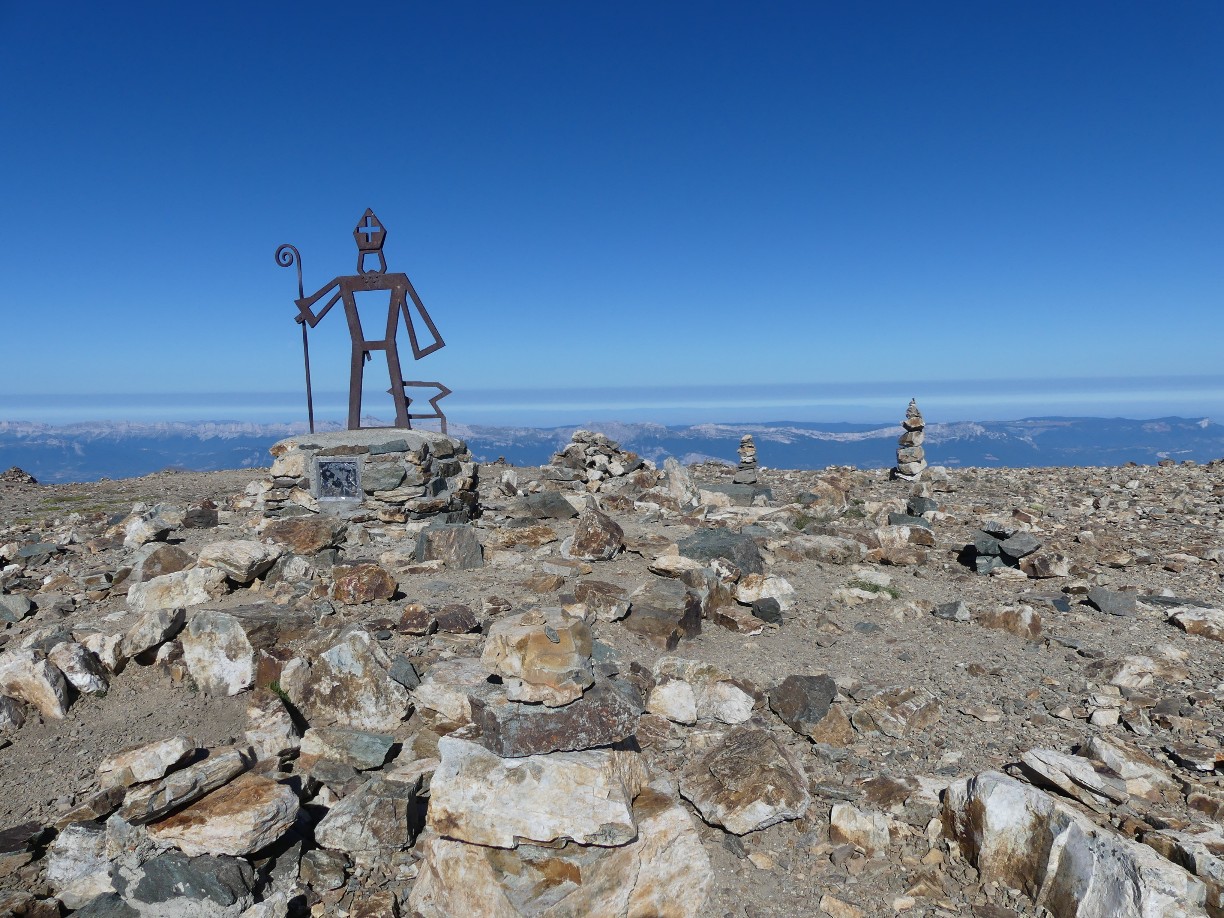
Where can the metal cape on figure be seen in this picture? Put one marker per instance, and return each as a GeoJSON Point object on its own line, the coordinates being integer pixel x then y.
{"type": "Point", "coordinates": [370, 236]}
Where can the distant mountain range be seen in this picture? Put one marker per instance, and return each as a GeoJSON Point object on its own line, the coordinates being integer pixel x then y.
{"type": "Point", "coordinates": [87, 452]}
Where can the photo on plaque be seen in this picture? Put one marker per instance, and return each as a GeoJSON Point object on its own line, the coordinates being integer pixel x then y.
{"type": "Point", "coordinates": [338, 479]}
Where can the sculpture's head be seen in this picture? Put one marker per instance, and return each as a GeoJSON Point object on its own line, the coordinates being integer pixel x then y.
{"type": "Point", "coordinates": [370, 235]}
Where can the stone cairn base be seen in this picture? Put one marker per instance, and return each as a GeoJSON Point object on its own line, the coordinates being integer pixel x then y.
{"type": "Point", "coordinates": [400, 475]}
{"type": "Point", "coordinates": [911, 458]}
{"type": "Point", "coordinates": [548, 781]}
{"type": "Point", "coordinates": [747, 471]}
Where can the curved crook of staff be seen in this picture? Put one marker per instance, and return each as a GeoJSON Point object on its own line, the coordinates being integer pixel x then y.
{"type": "Point", "coordinates": [287, 256]}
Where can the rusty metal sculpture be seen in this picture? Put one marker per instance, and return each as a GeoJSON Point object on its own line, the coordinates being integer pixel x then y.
{"type": "Point", "coordinates": [370, 236]}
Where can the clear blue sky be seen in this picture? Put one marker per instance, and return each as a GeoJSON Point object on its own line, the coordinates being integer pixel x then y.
{"type": "Point", "coordinates": [628, 194]}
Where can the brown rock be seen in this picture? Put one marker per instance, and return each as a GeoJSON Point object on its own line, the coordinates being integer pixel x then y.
{"type": "Point", "coordinates": [888, 793]}
{"type": "Point", "coordinates": [544, 583]}
{"type": "Point", "coordinates": [745, 780]}
{"type": "Point", "coordinates": [373, 817]}
{"type": "Point", "coordinates": [836, 908]}
{"type": "Point", "coordinates": [606, 713]}
{"type": "Point", "coordinates": [360, 583]}
{"type": "Point", "coordinates": [306, 535]}
{"type": "Point", "coordinates": [826, 548]}
{"type": "Point", "coordinates": [827, 494]}
{"type": "Point", "coordinates": [898, 712]}
{"type": "Point", "coordinates": [18, 846]}
{"type": "Point", "coordinates": [1046, 564]}
{"type": "Point", "coordinates": [159, 559]}
{"type": "Point", "coordinates": [604, 601]}
{"type": "Point", "coordinates": [495, 605]}
{"type": "Point", "coordinates": [148, 802]}
{"type": "Point", "coordinates": [543, 655]}
{"type": "Point", "coordinates": [664, 612]}
{"type": "Point", "coordinates": [94, 808]}
{"type": "Point", "coordinates": [15, 904]}
{"type": "Point", "coordinates": [522, 536]}
{"type": "Point", "coordinates": [379, 904]}
{"type": "Point", "coordinates": [1205, 622]}
{"type": "Point", "coordinates": [1022, 622]}
{"type": "Point", "coordinates": [737, 619]}
{"type": "Point", "coordinates": [834, 729]}
{"type": "Point", "coordinates": [456, 618]}
{"type": "Point", "coordinates": [597, 537]}
{"type": "Point", "coordinates": [416, 619]}
{"type": "Point", "coordinates": [896, 545]}
{"type": "Point", "coordinates": [248, 814]}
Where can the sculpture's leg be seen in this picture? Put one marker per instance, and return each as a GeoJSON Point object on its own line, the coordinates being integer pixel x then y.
{"type": "Point", "coordinates": [355, 376]}
{"type": "Point", "coordinates": [397, 385]}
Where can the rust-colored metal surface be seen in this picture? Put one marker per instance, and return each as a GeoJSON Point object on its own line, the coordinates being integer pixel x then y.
{"type": "Point", "coordinates": [443, 392]}
{"type": "Point", "coordinates": [370, 235]}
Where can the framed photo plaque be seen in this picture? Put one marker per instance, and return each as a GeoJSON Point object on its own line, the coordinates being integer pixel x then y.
{"type": "Point", "coordinates": [338, 479]}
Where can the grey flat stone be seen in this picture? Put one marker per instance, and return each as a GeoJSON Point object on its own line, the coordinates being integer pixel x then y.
{"type": "Point", "coordinates": [1113, 602]}
{"type": "Point", "coordinates": [957, 611]}
{"type": "Point", "coordinates": [707, 544]}
{"type": "Point", "coordinates": [1020, 545]}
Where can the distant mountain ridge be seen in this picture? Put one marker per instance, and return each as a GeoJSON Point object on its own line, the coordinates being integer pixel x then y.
{"type": "Point", "coordinates": [125, 449]}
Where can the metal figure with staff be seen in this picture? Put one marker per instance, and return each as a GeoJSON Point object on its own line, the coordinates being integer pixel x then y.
{"type": "Point", "coordinates": [370, 235]}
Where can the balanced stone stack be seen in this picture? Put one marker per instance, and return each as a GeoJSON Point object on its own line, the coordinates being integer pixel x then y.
{"type": "Point", "coordinates": [546, 789]}
{"type": "Point", "coordinates": [392, 474]}
{"type": "Point", "coordinates": [594, 459]}
{"type": "Point", "coordinates": [747, 472]}
{"type": "Point", "coordinates": [17, 476]}
{"type": "Point", "coordinates": [911, 458]}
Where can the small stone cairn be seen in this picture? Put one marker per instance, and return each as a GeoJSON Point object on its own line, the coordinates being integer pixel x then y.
{"type": "Point", "coordinates": [593, 458]}
{"type": "Point", "coordinates": [911, 458]}
{"type": "Point", "coordinates": [17, 476]}
{"type": "Point", "coordinates": [747, 472]}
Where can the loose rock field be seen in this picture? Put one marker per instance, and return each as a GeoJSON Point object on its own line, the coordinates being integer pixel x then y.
{"type": "Point", "coordinates": [616, 690]}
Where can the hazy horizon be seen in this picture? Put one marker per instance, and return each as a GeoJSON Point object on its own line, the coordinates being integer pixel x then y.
{"type": "Point", "coordinates": [882, 403]}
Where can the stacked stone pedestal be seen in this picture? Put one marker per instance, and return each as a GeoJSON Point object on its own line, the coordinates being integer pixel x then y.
{"type": "Point", "coordinates": [747, 471]}
{"type": "Point", "coordinates": [401, 475]}
{"type": "Point", "coordinates": [911, 457]}
{"type": "Point", "coordinates": [542, 805]}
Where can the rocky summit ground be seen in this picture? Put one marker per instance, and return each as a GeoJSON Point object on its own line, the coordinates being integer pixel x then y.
{"type": "Point", "coordinates": [618, 691]}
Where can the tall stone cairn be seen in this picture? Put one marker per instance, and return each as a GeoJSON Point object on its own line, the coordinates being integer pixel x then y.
{"type": "Point", "coordinates": [747, 472]}
{"type": "Point", "coordinates": [911, 458]}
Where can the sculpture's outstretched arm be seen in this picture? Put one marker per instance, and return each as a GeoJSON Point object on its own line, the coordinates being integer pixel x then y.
{"type": "Point", "coordinates": [304, 304]}
{"type": "Point", "coordinates": [417, 351]}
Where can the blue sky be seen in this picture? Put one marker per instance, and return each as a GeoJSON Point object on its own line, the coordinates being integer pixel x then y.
{"type": "Point", "coordinates": [618, 195]}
